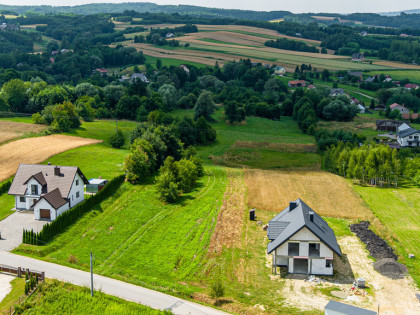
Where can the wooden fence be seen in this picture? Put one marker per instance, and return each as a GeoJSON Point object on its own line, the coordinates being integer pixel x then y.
{"type": "Point", "coordinates": [19, 272]}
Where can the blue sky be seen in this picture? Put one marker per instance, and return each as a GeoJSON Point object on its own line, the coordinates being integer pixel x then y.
{"type": "Point", "coordinates": [340, 6]}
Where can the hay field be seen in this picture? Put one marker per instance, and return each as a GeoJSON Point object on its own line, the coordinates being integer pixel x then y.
{"type": "Point", "coordinates": [397, 65]}
{"type": "Point", "coordinates": [10, 130]}
{"type": "Point", "coordinates": [328, 194]}
{"type": "Point", "coordinates": [36, 150]}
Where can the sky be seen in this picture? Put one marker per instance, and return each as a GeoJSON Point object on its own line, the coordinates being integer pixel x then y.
{"type": "Point", "coordinates": [296, 6]}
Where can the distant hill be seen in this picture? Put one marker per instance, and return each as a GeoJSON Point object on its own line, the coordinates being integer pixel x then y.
{"type": "Point", "coordinates": [413, 11]}
{"type": "Point", "coordinates": [142, 7]}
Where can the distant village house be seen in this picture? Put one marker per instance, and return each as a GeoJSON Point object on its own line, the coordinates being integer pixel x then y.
{"type": "Point", "coordinates": [297, 83]}
{"type": "Point", "coordinates": [389, 125]}
{"type": "Point", "coordinates": [357, 57]}
{"type": "Point", "coordinates": [401, 108]}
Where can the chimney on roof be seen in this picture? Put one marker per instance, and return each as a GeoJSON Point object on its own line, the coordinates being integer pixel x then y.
{"type": "Point", "coordinates": [292, 205]}
{"type": "Point", "coordinates": [49, 163]}
{"type": "Point", "coordinates": [57, 171]}
{"type": "Point", "coordinates": [311, 216]}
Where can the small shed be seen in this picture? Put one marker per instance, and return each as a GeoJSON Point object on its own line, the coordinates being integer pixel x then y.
{"type": "Point", "coordinates": [95, 185]}
{"type": "Point", "coordinates": [338, 308]}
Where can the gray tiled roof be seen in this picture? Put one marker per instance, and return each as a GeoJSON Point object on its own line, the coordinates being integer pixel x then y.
{"type": "Point", "coordinates": [54, 198]}
{"type": "Point", "coordinates": [406, 132]}
{"type": "Point", "coordinates": [298, 219]}
{"type": "Point", "coordinates": [63, 182]}
{"type": "Point", "coordinates": [347, 309]}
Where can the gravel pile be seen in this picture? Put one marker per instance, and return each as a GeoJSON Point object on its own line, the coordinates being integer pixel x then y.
{"type": "Point", "coordinates": [376, 246]}
{"type": "Point", "coordinates": [390, 268]}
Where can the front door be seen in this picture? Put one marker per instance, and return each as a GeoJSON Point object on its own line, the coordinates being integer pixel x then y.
{"type": "Point", "coordinates": [45, 214]}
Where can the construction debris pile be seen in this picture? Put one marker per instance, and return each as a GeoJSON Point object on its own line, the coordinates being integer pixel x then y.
{"type": "Point", "coordinates": [376, 246]}
{"type": "Point", "coordinates": [390, 268]}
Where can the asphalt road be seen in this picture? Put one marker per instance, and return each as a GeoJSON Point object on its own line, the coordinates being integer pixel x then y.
{"type": "Point", "coordinates": [126, 291]}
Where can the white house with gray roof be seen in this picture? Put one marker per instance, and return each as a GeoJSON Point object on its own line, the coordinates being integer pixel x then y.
{"type": "Point", "coordinates": [408, 137]}
{"type": "Point", "coordinates": [47, 190]}
{"type": "Point", "coordinates": [302, 241]}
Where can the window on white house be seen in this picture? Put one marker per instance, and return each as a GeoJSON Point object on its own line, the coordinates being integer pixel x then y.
{"type": "Point", "coordinates": [328, 263]}
{"type": "Point", "coordinates": [314, 249]}
{"type": "Point", "coordinates": [77, 194]}
{"type": "Point", "coordinates": [34, 189]}
{"type": "Point", "coordinates": [22, 199]}
{"type": "Point", "coordinates": [293, 249]}
{"type": "Point", "coordinates": [77, 182]}
{"type": "Point", "coordinates": [72, 197]}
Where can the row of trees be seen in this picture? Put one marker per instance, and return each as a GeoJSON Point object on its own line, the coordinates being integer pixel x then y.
{"type": "Point", "coordinates": [287, 44]}
{"type": "Point", "coordinates": [369, 164]}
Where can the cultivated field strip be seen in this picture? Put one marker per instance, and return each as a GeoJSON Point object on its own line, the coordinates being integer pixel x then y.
{"type": "Point", "coordinates": [10, 130]}
{"type": "Point", "coordinates": [36, 150]}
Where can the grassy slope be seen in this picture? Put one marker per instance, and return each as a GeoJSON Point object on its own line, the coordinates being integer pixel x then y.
{"type": "Point", "coordinates": [256, 130]}
{"type": "Point", "coordinates": [54, 297]}
{"type": "Point", "coordinates": [398, 210]}
{"type": "Point", "coordinates": [134, 231]}
{"type": "Point", "coordinates": [412, 75]}
{"type": "Point", "coordinates": [18, 286]}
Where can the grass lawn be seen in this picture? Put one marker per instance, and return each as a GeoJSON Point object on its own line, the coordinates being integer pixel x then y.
{"type": "Point", "coordinates": [172, 62]}
{"type": "Point", "coordinates": [93, 160]}
{"type": "Point", "coordinates": [53, 297]}
{"type": "Point", "coordinates": [412, 75]}
{"type": "Point", "coordinates": [137, 238]}
{"type": "Point", "coordinates": [398, 210]}
{"type": "Point", "coordinates": [103, 129]}
{"type": "Point", "coordinates": [255, 130]}
{"type": "Point", "coordinates": [6, 204]}
{"type": "Point", "coordinates": [26, 119]}
{"type": "Point", "coordinates": [18, 290]}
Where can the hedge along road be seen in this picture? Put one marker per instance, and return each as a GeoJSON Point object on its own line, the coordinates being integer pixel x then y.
{"type": "Point", "coordinates": [126, 291]}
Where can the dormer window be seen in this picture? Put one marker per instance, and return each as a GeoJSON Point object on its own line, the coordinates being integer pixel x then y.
{"type": "Point", "coordinates": [34, 189]}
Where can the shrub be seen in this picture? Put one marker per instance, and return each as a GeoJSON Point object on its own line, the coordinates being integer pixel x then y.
{"type": "Point", "coordinates": [217, 289]}
{"type": "Point", "coordinates": [117, 140]}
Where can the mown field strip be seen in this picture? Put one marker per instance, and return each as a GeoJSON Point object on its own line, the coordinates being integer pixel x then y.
{"type": "Point", "coordinates": [36, 150]}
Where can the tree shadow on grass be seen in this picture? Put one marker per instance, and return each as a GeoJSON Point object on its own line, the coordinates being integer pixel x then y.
{"type": "Point", "coordinates": [221, 302]}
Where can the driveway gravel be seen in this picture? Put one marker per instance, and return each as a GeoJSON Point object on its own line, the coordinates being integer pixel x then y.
{"type": "Point", "coordinates": [12, 227]}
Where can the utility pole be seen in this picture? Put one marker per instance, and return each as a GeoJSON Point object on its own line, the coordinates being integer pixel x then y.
{"type": "Point", "coordinates": [91, 275]}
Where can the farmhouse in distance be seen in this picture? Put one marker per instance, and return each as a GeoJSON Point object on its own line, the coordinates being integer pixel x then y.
{"type": "Point", "coordinates": [302, 241]}
{"type": "Point", "coordinates": [48, 190]}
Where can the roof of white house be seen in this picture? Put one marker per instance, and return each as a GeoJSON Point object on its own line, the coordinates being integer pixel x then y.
{"type": "Point", "coordinates": [407, 132]}
{"type": "Point", "coordinates": [347, 309]}
{"type": "Point", "coordinates": [49, 177]}
{"type": "Point", "coordinates": [291, 220]}
{"type": "Point", "coordinates": [97, 181]}
{"type": "Point", "coordinates": [403, 127]}
{"type": "Point", "coordinates": [54, 198]}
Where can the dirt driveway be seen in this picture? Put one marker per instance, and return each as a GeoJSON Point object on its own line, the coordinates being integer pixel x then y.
{"type": "Point", "coordinates": [394, 297]}
{"type": "Point", "coordinates": [12, 227]}
{"type": "Point", "coordinates": [5, 286]}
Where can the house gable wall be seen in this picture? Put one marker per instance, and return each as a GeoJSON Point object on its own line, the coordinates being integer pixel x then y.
{"type": "Point", "coordinates": [74, 189]}
{"type": "Point", "coordinates": [43, 204]}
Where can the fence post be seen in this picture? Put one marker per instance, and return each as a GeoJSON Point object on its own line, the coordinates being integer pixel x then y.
{"type": "Point", "coordinates": [43, 276]}
{"type": "Point", "coordinates": [19, 272]}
